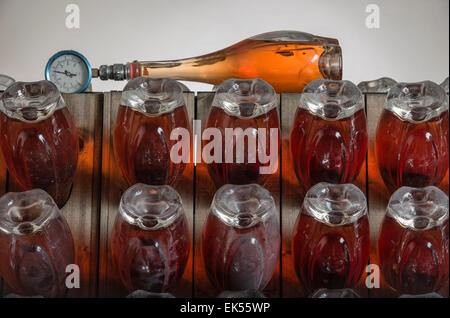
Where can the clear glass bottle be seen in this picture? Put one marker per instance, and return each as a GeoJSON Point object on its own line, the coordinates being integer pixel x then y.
{"type": "Point", "coordinates": [245, 114]}
{"type": "Point", "coordinates": [381, 85]}
{"type": "Point", "coordinates": [38, 138]}
{"type": "Point", "coordinates": [241, 238]}
{"type": "Point", "coordinates": [331, 240]}
{"type": "Point", "coordinates": [287, 60]}
{"type": "Point", "coordinates": [150, 239]}
{"type": "Point", "coordinates": [413, 240]}
{"type": "Point", "coordinates": [411, 142]}
{"type": "Point", "coordinates": [328, 140]}
{"type": "Point", "coordinates": [150, 109]}
{"type": "Point", "coordinates": [35, 244]}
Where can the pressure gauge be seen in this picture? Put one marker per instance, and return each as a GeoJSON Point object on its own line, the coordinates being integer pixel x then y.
{"type": "Point", "coordinates": [70, 71]}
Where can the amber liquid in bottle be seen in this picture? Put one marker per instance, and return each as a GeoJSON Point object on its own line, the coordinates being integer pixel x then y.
{"type": "Point", "coordinates": [243, 253]}
{"type": "Point", "coordinates": [413, 262]}
{"type": "Point", "coordinates": [150, 239]}
{"type": "Point", "coordinates": [42, 154]}
{"type": "Point", "coordinates": [234, 172]}
{"type": "Point", "coordinates": [411, 142]}
{"type": "Point", "coordinates": [331, 240]}
{"type": "Point", "coordinates": [410, 154]}
{"type": "Point", "coordinates": [413, 240]}
{"type": "Point", "coordinates": [227, 249]}
{"type": "Point", "coordinates": [288, 60]}
{"type": "Point", "coordinates": [330, 257]}
{"type": "Point", "coordinates": [328, 140]}
{"type": "Point", "coordinates": [329, 151]}
{"type": "Point", "coordinates": [150, 260]}
{"type": "Point", "coordinates": [36, 244]}
{"type": "Point", "coordinates": [142, 145]}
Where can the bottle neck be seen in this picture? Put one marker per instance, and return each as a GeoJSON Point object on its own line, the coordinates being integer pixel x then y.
{"type": "Point", "coordinates": [209, 68]}
{"type": "Point", "coordinates": [202, 69]}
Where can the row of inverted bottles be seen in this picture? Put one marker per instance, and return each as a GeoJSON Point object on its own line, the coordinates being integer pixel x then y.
{"type": "Point", "coordinates": [240, 244]}
{"type": "Point", "coordinates": [328, 140]}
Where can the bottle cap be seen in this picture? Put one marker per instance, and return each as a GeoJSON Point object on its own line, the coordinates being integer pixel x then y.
{"type": "Point", "coordinates": [150, 207]}
{"type": "Point", "coordinates": [24, 213]}
{"type": "Point", "coordinates": [381, 85]}
{"type": "Point", "coordinates": [419, 208]}
{"type": "Point", "coordinates": [152, 96]}
{"type": "Point", "coordinates": [417, 102]}
{"type": "Point", "coordinates": [243, 206]}
{"type": "Point", "coordinates": [245, 98]}
{"type": "Point", "coordinates": [331, 100]}
{"type": "Point", "coordinates": [335, 204]}
{"type": "Point", "coordinates": [31, 101]}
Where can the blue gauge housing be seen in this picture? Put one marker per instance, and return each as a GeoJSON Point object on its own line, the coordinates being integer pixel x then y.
{"type": "Point", "coordinates": [79, 55]}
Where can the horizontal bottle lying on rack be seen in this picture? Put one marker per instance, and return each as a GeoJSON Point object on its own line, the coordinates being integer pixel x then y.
{"type": "Point", "coordinates": [288, 60]}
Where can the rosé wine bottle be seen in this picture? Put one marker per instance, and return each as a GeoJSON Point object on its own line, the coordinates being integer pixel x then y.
{"type": "Point", "coordinates": [411, 142]}
{"type": "Point", "coordinates": [288, 60]}
{"type": "Point", "coordinates": [151, 108]}
{"type": "Point", "coordinates": [245, 114]}
{"type": "Point", "coordinates": [413, 240]}
{"type": "Point", "coordinates": [328, 140]}
{"type": "Point", "coordinates": [38, 138]}
{"type": "Point", "coordinates": [35, 244]}
{"type": "Point", "coordinates": [241, 238]}
{"type": "Point", "coordinates": [150, 239]}
{"type": "Point", "coordinates": [331, 241]}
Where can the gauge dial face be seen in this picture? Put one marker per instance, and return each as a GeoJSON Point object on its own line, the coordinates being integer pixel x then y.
{"type": "Point", "coordinates": [69, 73]}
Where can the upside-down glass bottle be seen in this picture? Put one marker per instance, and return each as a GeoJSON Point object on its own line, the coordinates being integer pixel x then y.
{"type": "Point", "coordinates": [244, 117]}
{"type": "Point", "coordinates": [150, 110]}
{"type": "Point", "coordinates": [35, 244]}
{"type": "Point", "coordinates": [241, 238]}
{"type": "Point", "coordinates": [381, 85]}
{"type": "Point", "coordinates": [328, 140]}
{"type": "Point", "coordinates": [287, 60]}
{"type": "Point", "coordinates": [150, 239]}
{"type": "Point", "coordinates": [413, 240]}
{"type": "Point", "coordinates": [39, 138]}
{"type": "Point", "coordinates": [412, 138]}
{"type": "Point", "coordinates": [331, 240]}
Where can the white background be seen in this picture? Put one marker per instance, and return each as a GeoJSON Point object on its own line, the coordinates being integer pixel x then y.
{"type": "Point", "coordinates": [412, 43]}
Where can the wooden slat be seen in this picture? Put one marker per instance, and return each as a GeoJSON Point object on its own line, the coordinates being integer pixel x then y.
{"type": "Point", "coordinates": [185, 187]}
{"type": "Point", "coordinates": [273, 289]}
{"type": "Point", "coordinates": [82, 209]}
{"type": "Point", "coordinates": [112, 189]}
{"type": "Point", "coordinates": [113, 186]}
{"type": "Point", "coordinates": [378, 194]}
{"type": "Point", "coordinates": [292, 195]}
{"type": "Point", "coordinates": [205, 190]}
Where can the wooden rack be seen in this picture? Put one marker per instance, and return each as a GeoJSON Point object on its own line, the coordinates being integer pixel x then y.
{"type": "Point", "coordinates": [98, 186]}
